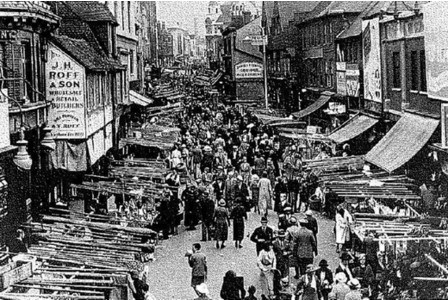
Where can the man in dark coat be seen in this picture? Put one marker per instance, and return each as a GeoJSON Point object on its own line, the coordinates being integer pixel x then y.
{"type": "Point", "coordinates": [325, 277]}
{"type": "Point", "coordinates": [190, 198]}
{"type": "Point", "coordinates": [305, 246]}
{"type": "Point", "coordinates": [206, 209]}
{"type": "Point", "coordinates": [219, 188]}
{"type": "Point", "coordinates": [262, 234]}
{"type": "Point", "coordinates": [282, 252]}
{"type": "Point", "coordinates": [198, 263]}
{"type": "Point", "coordinates": [241, 191]}
{"type": "Point", "coordinates": [312, 223]}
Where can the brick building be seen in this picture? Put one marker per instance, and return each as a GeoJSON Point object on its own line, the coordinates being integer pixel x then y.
{"type": "Point", "coordinates": [243, 61]}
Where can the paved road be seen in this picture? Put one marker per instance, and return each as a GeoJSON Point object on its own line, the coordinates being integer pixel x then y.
{"type": "Point", "coordinates": [172, 274]}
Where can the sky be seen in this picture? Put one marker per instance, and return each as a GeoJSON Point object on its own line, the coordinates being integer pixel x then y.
{"type": "Point", "coordinates": [184, 13]}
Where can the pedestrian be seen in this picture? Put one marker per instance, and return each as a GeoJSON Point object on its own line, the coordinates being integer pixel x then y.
{"type": "Point", "coordinates": [364, 272]}
{"type": "Point", "coordinates": [308, 285]}
{"type": "Point", "coordinates": [267, 262]}
{"type": "Point", "coordinates": [342, 232]}
{"type": "Point", "coordinates": [305, 245]}
{"type": "Point", "coordinates": [355, 290]}
{"type": "Point", "coordinates": [229, 190]}
{"type": "Point", "coordinates": [251, 290]}
{"type": "Point", "coordinates": [202, 291]}
{"type": "Point", "coordinates": [344, 265]}
{"type": "Point", "coordinates": [198, 263]}
{"type": "Point", "coordinates": [265, 195]}
{"type": "Point", "coordinates": [262, 234]}
{"type": "Point", "coordinates": [238, 215]}
{"type": "Point", "coordinates": [292, 233]}
{"type": "Point", "coordinates": [18, 245]}
{"type": "Point", "coordinates": [221, 218]}
{"type": "Point", "coordinates": [242, 192]}
{"type": "Point", "coordinates": [207, 209]}
{"type": "Point", "coordinates": [255, 190]}
{"type": "Point", "coordinates": [282, 250]}
{"type": "Point", "coordinates": [219, 188]}
{"type": "Point", "coordinates": [232, 287]}
{"type": "Point", "coordinates": [190, 198]}
{"type": "Point", "coordinates": [312, 223]}
{"type": "Point", "coordinates": [294, 189]}
{"type": "Point", "coordinates": [325, 278]}
{"type": "Point", "coordinates": [340, 288]}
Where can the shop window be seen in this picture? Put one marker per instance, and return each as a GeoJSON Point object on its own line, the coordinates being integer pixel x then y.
{"type": "Point", "coordinates": [414, 71]}
{"type": "Point", "coordinates": [396, 74]}
{"type": "Point", "coordinates": [423, 86]}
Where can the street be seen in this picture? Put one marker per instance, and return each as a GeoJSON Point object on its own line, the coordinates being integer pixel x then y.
{"type": "Point", "coordinates": [173, 274]}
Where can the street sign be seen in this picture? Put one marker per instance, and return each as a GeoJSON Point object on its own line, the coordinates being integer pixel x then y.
{"type": "Point", "coordinates": [258, 40]}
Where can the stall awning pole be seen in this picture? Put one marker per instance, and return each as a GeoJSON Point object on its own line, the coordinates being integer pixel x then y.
{"type": "Point", "coordinates": [436, 263]}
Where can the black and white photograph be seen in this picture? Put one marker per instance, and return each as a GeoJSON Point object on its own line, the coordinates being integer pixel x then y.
{"type": "Point", "coordinates": [223, 150]}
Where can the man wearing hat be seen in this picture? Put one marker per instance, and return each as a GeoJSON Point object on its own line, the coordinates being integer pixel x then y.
{"type": "Point", "coordinates": [206, 210]}
{"type": "Point", "coordinates": [304, 246]}
{"type": "Point", "coordinates": [242, 192]}
{"type": "Point", "coordinates": [189, 197]}
{"type": "Point", "coordinates": [207, 159]}
{"type": "Point", "coordinates": [219, 187]}
{"type": "Point", "coordinates": [312, 223]}
{"type": "Point", "coordinates": [262, 234]}
{"type": "Point", "coordinates": [308, 285]}
{"type": "Point", "coordinates": [325, 277]}
{"type": "Point", "coordinates": [355, 290]}
{"type": "Point", "coordinates": [282, 252]}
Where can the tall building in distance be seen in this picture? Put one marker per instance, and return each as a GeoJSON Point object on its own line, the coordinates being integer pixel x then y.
{"type": "Point", "coordinates": [219, 15]}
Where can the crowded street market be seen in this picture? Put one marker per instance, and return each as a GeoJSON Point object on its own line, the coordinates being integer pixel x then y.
{"type": "Point", "coordinates": [304, 163]}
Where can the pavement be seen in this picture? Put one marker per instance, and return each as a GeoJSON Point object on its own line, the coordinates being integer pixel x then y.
{"type": "Point", "coordinates": [171, 274]}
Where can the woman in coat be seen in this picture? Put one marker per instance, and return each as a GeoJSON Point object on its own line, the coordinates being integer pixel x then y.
{"type": "Point", "coordinates": [238, 215]}
{"type": "Point", "coordinates": [221, 218]}
{"type": "Point", "coordinates": [265, 194]}
{"type": "Point", "coordinates": [342, 230]}
{"type": "Point", "coordinates": [232, 289]}
{"type": "Point", "coordinates": [255, 190]}
{"type": "Point", "coordinates": [267, 262]}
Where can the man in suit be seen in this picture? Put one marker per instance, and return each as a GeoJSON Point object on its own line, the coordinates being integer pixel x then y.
{"type": "Point", "coordinates": [312, 223]}
{"type": "Point", "coordinates": [241, 191]}
{"type": "Point", "coordinates": [282, 251]}
{"type": "Point", "coordinates": [304, 246]}
{"type": "Point", "coordinates": [325, 277]}
{"type": "Point", "coordinates": [198, 264]}
{"type": "Point", "coordinates": [207, 209]}
{"type": "Point", "coordinates": [262, 234]}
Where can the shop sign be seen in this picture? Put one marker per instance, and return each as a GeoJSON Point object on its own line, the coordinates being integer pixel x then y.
{"type": "Point", "coordinates": [371, 59]}
{"type": "Point", "coordinates": [341, 83]}
{"type": "Point", "coordinates": [8, 35]}
{"type": "Point", "coordinates": [4, 119]}
{"type": "Point", "coordinates": [352, 80]}
{"type": "Point", "coordinates": [249, 70]}
{"type": "Point", "coordinates": [65, 80]}
{"type": "Point", "coordinates": [341, 66]}
{"type": "Point", "coordinates": [436, 49]}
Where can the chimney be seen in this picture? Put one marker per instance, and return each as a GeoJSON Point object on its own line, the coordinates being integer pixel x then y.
{"type": "Point", "coordinates": [246, 17]}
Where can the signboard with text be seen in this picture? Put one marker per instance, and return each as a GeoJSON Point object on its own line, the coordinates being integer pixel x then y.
{"type": "Point", "coordinates": [249, 70]}
{"type": "Point", "coordinates": [4, 119]}
{"type": "Point", "coordinates": [340, 78]}
{"type": "Point", "coordinates": [65, 80]}
{"type": "Point", "coordinates": [371, 59]}
{"type": "Point", "coordinates": [352, 80]}
{"type": "Point", "coordinates": [259, 40]}
{"type": "Point", "coordinates": [436, 45]}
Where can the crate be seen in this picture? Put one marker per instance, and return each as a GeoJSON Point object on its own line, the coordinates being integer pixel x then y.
{"type": "Point", "coordinates": [22, 271]}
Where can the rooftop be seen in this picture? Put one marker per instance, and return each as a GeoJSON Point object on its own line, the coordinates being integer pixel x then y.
{"type": "Point", "coordinates": [92, 11]}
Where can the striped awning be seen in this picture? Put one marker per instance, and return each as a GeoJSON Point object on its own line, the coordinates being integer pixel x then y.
{"type": "Point", "coordinates": [352, 128]}
{"type": "Point", "coordinates": [402, 142]}
{"type": "Point", "coordinates": [323, 99]}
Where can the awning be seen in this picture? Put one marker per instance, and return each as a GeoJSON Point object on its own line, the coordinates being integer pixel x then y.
{"type": "Point", "coordinates": [216, 78]}
{"type": "Point", "coordinates": [138, 99]}
{"type": "Point", "coordinates": [402, 142]}
{"type": "Point", "coordinates": [323, 99]}
{"type": "Point", "coordinates": [352, 128]}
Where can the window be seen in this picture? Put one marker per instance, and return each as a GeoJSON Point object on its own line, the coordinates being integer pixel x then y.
{"type": "Point", "coordinates": [423, 86]}
{"type": "Point", "coordinates": [129, 16]}
{"type": "Point", "coordinates": [131, 61]}
{"type": "Point", "coordinates": [414, 71]}
{"type": "Point", "coordinates": [396, 74]}
{"type": "Point", "coordinates": [122, 15]}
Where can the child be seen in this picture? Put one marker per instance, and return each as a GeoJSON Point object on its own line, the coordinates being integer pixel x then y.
{"type": "Point", "coordinates": [251, 292]}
